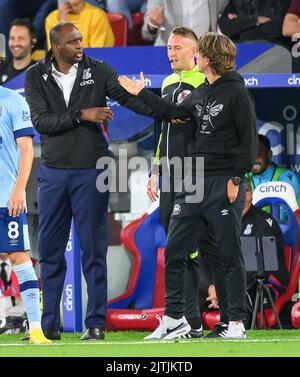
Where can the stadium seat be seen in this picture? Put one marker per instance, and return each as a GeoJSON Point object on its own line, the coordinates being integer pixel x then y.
{"type": "Point", "coordinates": [295, 315]}
{"type": "Point", "coordinates": [281, 196]}
{"type": "Point", "coordinates": [144, 298]}
{"type": "Point", "coordinates": [119, 25]}
{"type": "Point", "coordinates": [136, 34]}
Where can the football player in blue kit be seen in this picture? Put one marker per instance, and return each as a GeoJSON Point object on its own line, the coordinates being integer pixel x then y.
{"type": "Point", "coordinates": [16, 156]}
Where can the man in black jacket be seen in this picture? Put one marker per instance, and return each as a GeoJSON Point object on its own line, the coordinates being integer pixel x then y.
{"type": "Point", "coordinates": [67, 98]}
{"type": "Point", "coordinates": [226, 139]}
{"type": "Point", "coordinates": [246, 20]}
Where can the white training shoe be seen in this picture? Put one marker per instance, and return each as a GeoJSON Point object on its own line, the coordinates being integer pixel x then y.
{"type": "Point", "coordinates": [169, 328]}
{"type": "Point", "coordinates": [236, 330]}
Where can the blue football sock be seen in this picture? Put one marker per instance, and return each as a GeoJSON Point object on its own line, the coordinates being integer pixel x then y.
{"type": "Point", "coordinates": [29, 290]}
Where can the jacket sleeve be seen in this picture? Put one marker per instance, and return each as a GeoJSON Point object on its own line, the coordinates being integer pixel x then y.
{"type": "Point", "coordinates": [245, 121]}
{"type": "Point", "coordinates": [115, 91]}
{"type": "Point", "coordinates": [163, 108]}
{"type": "Point", "coordinates": [43, 119]}
{"type": "Point", "coordinates": [234, 28]}
{"type": "Point", "coordinates": [145, 32]}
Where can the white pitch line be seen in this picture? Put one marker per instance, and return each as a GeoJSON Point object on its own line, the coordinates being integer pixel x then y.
{"type": "Point", "coordinates": [118, 343]}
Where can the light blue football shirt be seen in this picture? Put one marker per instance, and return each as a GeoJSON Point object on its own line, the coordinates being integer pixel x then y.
{"type": "Point", "coordinates": [14, 123]}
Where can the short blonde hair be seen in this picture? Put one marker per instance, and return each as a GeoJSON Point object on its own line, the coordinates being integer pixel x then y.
{"type": "Point", "coordinates": [219, 50]}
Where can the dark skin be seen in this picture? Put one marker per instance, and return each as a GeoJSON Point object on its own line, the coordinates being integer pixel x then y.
{"type": "Point", "coordinates": [263, 159]}
{"type": "Point", "coordinates": [68, 51]}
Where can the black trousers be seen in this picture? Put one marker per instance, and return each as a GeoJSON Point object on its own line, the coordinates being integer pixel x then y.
{"type": "Point", "coordinates": [189, 223]}
{"type": "Point", "coordinates": [191, 263]}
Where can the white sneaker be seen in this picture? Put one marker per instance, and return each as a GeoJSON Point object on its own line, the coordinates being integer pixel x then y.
{"type": "Point", "coordinates": [169, 328]}
{"type": "Point", "coordinates": [236, 330]}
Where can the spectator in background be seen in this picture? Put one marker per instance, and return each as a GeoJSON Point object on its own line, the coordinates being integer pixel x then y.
{"type": "Point", "coordinates": [126, 7]}
{"type": "Point", "coordinates": [21, 42]}
{"type": "Point", "coordinates": [265, 170]}
{"type": "Point", "coordinates": [244, 20]}
{"type": "Point", "coordinates": [90, 20]}
{"type": "Point", "coordinates": [11, 9]}
{"type": "Point", "coordinates": [164, 15]}
{"type": "Point", "coordinates": [291, 27]}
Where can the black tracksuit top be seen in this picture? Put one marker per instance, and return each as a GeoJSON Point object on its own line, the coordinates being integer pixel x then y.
{"type": "Point", "coordinates": [65, 143]}
{"type": "Point", "coordinates": [225, 120]}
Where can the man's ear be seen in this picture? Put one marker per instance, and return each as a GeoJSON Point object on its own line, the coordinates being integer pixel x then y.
{"type": "Point", "coordinates": [33, 42]}
{"type": "Point", "coordinates": [270, 155]}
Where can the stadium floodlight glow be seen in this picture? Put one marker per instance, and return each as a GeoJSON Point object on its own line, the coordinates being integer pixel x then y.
{"type": "Point", "coordinates": [2, 48]}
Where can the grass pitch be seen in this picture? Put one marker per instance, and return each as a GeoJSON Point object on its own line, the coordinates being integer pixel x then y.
{"type": "Point", "coordinates": [271, 343]}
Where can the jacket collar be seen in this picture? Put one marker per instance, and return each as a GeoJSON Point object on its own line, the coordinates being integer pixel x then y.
{"type": "Point", "coordinates": [185, 74]}
{"type": "Point", "coordinates": [47, 63]}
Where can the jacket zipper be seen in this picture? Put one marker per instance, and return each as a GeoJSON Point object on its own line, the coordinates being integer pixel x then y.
{"type": "Point", "coordinates": [169, 124]}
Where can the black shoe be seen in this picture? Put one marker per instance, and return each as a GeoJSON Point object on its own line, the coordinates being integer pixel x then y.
{"type": "Point", "coordinates": [193, 334]}
{"type": "Point", "coordinates": [93, 334]}
{"type": "Point", "coordinates": [219, 331]}
{"type": "Point", "coordinates": [52, 334]}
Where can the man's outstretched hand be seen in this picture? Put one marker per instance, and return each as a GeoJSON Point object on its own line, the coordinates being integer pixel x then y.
{"type": "Point", "coordinates": [132, 87]}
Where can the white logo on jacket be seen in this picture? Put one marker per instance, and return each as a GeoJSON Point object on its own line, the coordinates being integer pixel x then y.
{"type": "Point", "coordinates": [86, 77]}
{"type": "Point", "coordinates": [248, 229]}
{"type": "Point", "coordinates": [206, 112]}
{"type": "Point", "coordinates": [182, 95]}
{"type": "Point", "coordinates": [176, 209]}
{"type": "Point", "coordinates": [269, 221]}
{"type": "Point", "coordinates": [86, 74]}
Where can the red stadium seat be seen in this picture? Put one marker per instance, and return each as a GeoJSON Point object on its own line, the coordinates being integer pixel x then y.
{"type": "Point", "coordinates": [119, 25]}
{"type": "Point", "coordinates": [136, 35]}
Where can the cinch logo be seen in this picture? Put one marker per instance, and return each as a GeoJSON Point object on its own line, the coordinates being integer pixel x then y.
{"type": "Point", "coordinates": [148, 82]}
{"type": "Point", "coordinates": [251, 81]}
{"type": "Point", "coordinates": [294, 80]}
{"type": "Point", "coordinates": [69, 297]}
{"type": "Point", "coordinates": [277, 188]}
{"type": "Point", "coordinates": [88, 82]}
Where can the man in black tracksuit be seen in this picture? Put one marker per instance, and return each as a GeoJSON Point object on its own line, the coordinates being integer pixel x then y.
{"type": "Point", "coordinates": [255, 223]}
{"type": "Point", "coordinates": [226, 139]}
{"type": "Point", "coordinates": [66, 94]}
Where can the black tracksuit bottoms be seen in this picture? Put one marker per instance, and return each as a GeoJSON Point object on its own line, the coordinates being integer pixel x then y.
{"type": "Point", "coordinates": [188, 225]}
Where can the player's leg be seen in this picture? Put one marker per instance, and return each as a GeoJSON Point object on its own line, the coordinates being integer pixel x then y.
{"type": "Point", "coordinates": [15, 241]}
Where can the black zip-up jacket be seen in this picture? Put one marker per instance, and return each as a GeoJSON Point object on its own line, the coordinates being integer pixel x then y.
{"type": "Point", "coordinates": [64, 142]}
{"type": "Point", "coordinates": [245, 26]}
{"type": "Point", "coordinates": [225, 120]}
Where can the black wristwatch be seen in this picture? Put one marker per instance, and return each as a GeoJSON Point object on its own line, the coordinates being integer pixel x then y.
{"type": "Point", "coordinates": [236, 180]}
{"type": "Point", "coordinates": [78, 116]}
